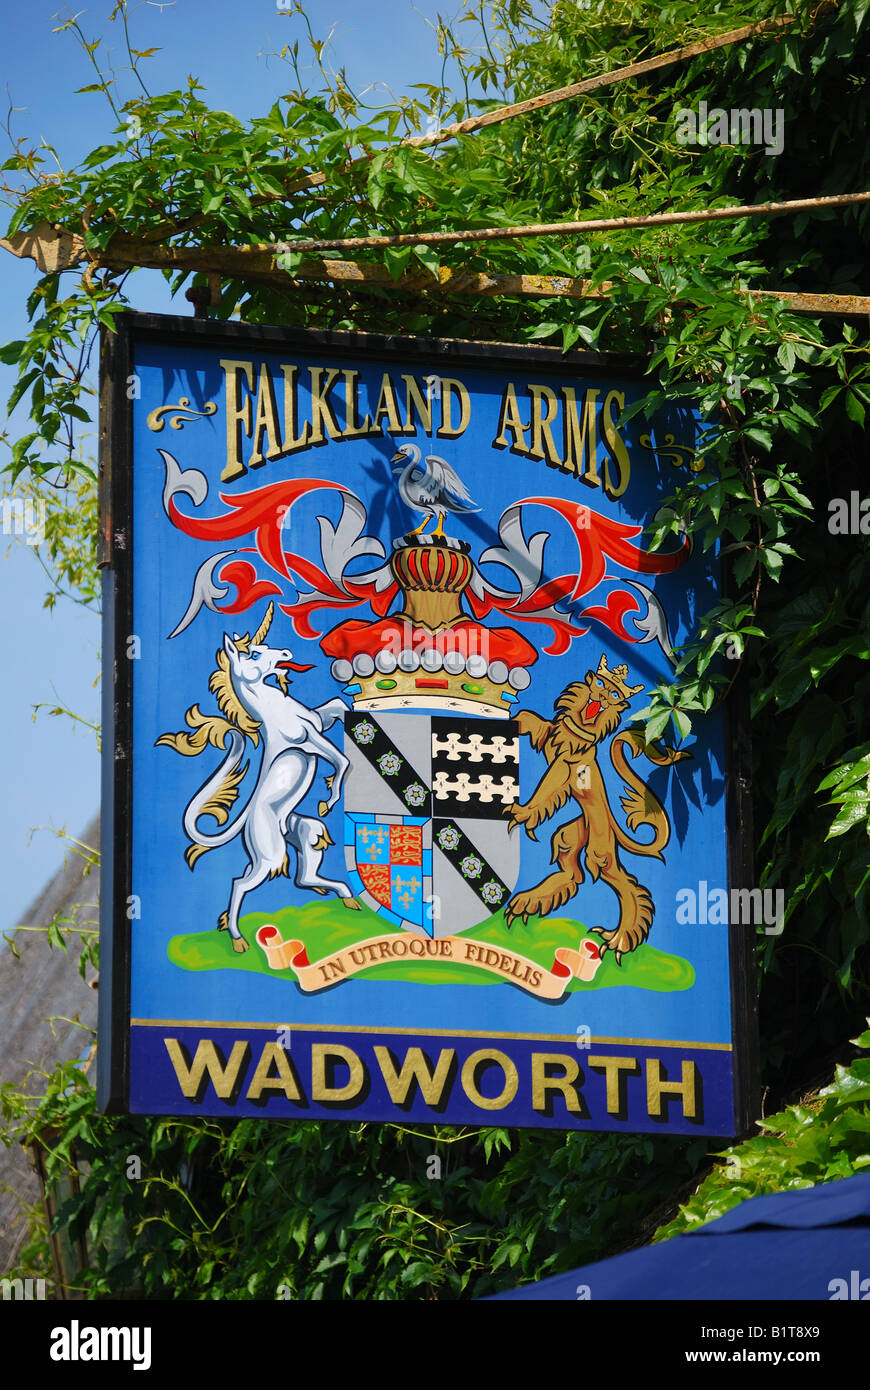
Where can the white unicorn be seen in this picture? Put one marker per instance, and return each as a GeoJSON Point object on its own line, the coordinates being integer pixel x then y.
{"type": "Point", "coordinates": [293, 740]}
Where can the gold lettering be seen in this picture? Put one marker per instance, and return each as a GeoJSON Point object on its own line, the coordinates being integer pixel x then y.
{"type": "Point", "coordinates": [238, 414]}
{"type": "Point", "coordinates": [509, 419]}
{"type": "Point", "coordinates": [321, 410]}
{"type": "Point", "coordinates": [446, 430]}
{"type": "Point", "coordinates": [416, 399]}
{"type": "Point", "coordinates": [320, 1089]}
{"type": "Point", "coordinates": [207, 1061]}
{"type": "Point", "coordinates": [543, 444]}
{"type": "Point", "coordinates": [416, 1067]}
{"type": "Point", "coordinates": [291, 442]}
{"type": "Point", "coordinates": [387, 406]}
{"type": "Point", "coordinates": [656, 1087]}
{"type": "Point", "coordinates": [285, 1080]}
{"type": "Point", "coordinates": [469, 1079]}
{"type": "Point", "coordinates": [615, 448]}
{"type": "Point", "coordinates": [542, 1083]}
{"type": "Point", "coordinates": [265, 421]}
{"type": "Point", "coordinates": [613, 1067]}
{"type": "Point", "coordinates": [352, 428]}
{"type": "Point", "coordinates": [581, 443]}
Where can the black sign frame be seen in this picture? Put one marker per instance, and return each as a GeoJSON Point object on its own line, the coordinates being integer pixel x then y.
{"type": "Point", "coordinates": [116, 542]}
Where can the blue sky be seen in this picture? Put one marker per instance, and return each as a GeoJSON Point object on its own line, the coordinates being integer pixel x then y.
{"type": "Point", "coordinates": [50, 774]}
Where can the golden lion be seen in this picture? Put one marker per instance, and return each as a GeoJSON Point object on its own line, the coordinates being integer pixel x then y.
{"type": "Point", "coordinates": [588, 711]}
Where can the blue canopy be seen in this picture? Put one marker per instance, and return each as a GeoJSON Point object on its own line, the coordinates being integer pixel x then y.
{"type": "Point", "coordinates": [811, 1243]}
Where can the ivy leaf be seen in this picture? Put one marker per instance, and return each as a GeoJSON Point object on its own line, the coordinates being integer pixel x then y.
{"type": "Point", "coordinates": [785, 354]}
{"type": "Point", "coordinates": [396, 259]}
{"type": "Point", "coordinates": [657, 725]}
{"type": "Point", "coordinates": [843, 777]}
{"type": "Point", "coordinates": [683, 723]}
{"type": "Point", "coordinates": [544, 330]}
{"type": "Point", "coordinates": [17, 218]}
{"type": "Point", "coordinates": [744, 565]}
{"type": "Point", "coordinates": [428, 257]}
{"type": "Point", "coordinates": [378, 180]}
{"type": "Point", "coordinates": [854, 409]}
{"type": "Point", "coordinates": [851, 814]}
{"type": "Point", "coordinates": [12, 352]}
{"type": "Point", "coordinates": [760, 436]}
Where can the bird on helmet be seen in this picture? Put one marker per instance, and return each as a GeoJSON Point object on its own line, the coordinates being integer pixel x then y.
{"type": "Point", "coordinates": [432, 487]}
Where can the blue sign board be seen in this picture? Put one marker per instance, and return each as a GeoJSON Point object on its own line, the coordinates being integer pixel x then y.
{"type": "Point", "coordinates": [387, 839]}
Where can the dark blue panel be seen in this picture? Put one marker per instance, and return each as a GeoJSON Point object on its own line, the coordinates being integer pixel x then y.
{"type": "Point", "coordinates": [604, 1087]}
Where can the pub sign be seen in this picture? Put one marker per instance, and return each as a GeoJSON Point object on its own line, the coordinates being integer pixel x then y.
{"type": "Point", "coordinates": [384, 838]}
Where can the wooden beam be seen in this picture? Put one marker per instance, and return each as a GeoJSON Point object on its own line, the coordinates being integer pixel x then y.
{"type": "Point", "coordinates": [349, 273]}
{"type": "Point", "coordinates": [51, 248]}
{"type": "Point", "coordinates": [826, 305]}
{"type": "Point", "coordinates": [591, 224]}
{"type": "Point", "coordinates": [55, 250]}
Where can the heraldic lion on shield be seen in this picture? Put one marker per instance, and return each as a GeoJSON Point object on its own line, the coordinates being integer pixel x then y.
{"type": "Point", "coordinates": [586, 712]}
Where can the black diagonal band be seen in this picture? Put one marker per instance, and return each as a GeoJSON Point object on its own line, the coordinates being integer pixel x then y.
{"type": "Point", "coordinates": [391, 765]}
{"type": "Point", "coordinates": [470, 864]}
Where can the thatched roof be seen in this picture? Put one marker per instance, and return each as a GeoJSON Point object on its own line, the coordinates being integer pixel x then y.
{"type": "Point", "coordinates": [43, 983]}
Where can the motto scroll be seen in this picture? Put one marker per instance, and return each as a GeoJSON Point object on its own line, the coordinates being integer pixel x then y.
{"type": "Point", "coordinates": [568, 964]}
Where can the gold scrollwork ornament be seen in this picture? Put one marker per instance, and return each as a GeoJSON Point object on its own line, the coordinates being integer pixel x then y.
{"type": "Point", "coordinates": [679, 454]}
{"type": "Point", "coordinates": [184, 413]}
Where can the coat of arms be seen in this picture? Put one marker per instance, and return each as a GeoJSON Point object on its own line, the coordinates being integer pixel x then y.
{"type": "Point", "coordinates": [423, 794]}
{"type": "Point", "coordinates": [392, 838]}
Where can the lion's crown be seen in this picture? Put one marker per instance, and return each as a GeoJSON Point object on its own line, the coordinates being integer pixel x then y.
{"type": "Point", "coordinates": [617, 678]}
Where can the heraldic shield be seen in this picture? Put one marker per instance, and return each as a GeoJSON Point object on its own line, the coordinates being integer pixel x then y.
{"type": "Point", "coordinates": [427, 844]}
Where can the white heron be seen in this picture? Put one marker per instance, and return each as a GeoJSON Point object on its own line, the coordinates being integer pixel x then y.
{"type": "Point", "coordinates": [431, 487]}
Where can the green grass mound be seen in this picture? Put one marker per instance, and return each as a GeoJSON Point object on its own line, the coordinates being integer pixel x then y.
{"type": "Point", "coordinates": [326, 926]}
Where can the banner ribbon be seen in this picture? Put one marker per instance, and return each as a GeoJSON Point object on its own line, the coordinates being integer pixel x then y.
{"type": "Point", "coordinates": [510, 966]}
